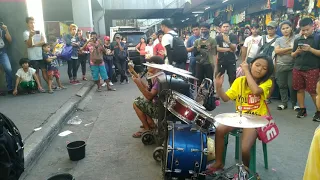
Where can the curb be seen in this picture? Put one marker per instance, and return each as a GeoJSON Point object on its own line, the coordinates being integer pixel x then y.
{"type": "Point", "coordinates": [39, 140]}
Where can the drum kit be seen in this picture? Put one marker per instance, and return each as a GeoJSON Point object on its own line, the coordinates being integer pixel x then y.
{"type": "Point", "coordinates": [184, 152]}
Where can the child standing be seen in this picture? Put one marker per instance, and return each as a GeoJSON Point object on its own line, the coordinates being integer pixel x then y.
{"type": "Point", "coordinates": [250, 91]}
{"type": "Point", "coordinates": [27, 80]}
{"type": "Point", "coordinates": [52, 67]}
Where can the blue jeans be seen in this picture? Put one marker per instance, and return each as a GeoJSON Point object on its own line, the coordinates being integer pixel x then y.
{"type": "Point", "coordinates": [192, 66]}
{"type": "Point", "coordinates": [5, 62]}
{"type": "Point", "coordinates": [108, 64]}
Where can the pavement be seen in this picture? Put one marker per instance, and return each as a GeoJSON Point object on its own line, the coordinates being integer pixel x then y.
{"type": "Point", "coordinates": [43, 110]}
{"type": "Point", "coordinates": [108, 121]}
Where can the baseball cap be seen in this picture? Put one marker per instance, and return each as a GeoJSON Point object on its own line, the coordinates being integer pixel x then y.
{"type": "Point", "coordinates": [272, 24]}
{"type": "Point", "coordinates": [118, 36]}
{"type": "Point", "coordinates": [106, 38]}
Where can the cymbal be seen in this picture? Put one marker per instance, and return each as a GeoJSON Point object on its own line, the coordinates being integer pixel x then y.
{"type": "Point", "coordinates": [170, 68]}
{"type": "Point", "coordinates": [246, 121]}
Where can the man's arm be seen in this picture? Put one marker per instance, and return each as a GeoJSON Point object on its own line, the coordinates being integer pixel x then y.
{"type": "Point", "coordinates": [296, 51]}
{"type": "Point", "coordinates": [37, 80]}
{"type": "Point", "coordinates": [233, 41]}
{"type": "Point", "coordinates": [169, 53]}
{"type": "Point", "coordinates": [7, 34]}
{"type": "Point", "coordinates": [29, 38]}
{"type": "Point", "coordinates": [189, 45]}
{"type": "Point", "coordinates": [221, 49]}
{"type": "Point", "coordinates": [144, 90]}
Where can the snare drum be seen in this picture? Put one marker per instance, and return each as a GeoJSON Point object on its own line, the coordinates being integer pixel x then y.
{"type": "Point", "coordinates": [186, 154]}
{"type": "Point", "coordinates": [189, 110]}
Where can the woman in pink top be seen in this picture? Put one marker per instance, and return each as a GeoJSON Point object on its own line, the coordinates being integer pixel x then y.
{"type": "Point", "coordinates": [141, 48]}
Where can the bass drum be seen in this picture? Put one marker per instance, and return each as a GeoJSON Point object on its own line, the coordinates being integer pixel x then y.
{"type": "Point", "coordinates": [185, 153]}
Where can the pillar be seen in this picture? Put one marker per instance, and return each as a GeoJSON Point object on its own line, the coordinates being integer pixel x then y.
{"type": "Point", "coordinates": [99, 22]}
{"type": "Point", "coordinates": [15, 20]}
{"type": "Point", "coordinates": [82, 14]}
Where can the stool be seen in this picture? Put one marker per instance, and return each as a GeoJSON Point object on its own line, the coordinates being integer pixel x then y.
{"type": "Point", "coordinates": [252, 165]}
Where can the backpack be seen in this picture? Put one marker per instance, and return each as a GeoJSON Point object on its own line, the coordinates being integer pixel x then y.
{"type": "Point", "coordinates": [266, 48]}
{"type": "Point", "coordinates": [11, 150]}
{"type": "Point", "coordinates": [2, 44]}
{"type": "Point", "coordinates": [179, 52]}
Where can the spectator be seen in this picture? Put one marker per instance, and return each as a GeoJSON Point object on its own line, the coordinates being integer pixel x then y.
{"type": "Point", "coordinates": [108, 58]}
{"type": "Point", "coordinates": [227, 45]}
{"type": "Point", "coordinates": [251, 45]}
{"type": "Point", "coordinates": [306, 52]}
{"type": "Point", "coordinates": [284, 66]}
{"type": "Point", "coordinates": [88, 35]}
{"type": "Point", "coordinates": [96, 61]}
{"type": "Point", "coordinates": [52, 65]}
{"type": "Point", "coordinates": [26, 79]}
{"type": "Point", "coordinates": [149, 48]}
{"type": "Point", "coordinates": [34, 40]}
{"type": "Point", "coordinates": [155, 39]}
{"type": "Point", "coordinates": [158, 49]}
{"type": "Point", "coordinates": [5, 38]}
{"type": "Point", "coordinates": [190, 45]}
{"type": "Point", "coordinates": [120, 58]}
{"type": "Point", "coordinates": [141, 48]}
{"type": "Point", "coordinates": [73, 40]}
{"type": "Point", "coordinates": [177, 55]}
{"type": "Point", "coordinates": [205, 50]}
{"type": "Point", "coordinates": [82, 55]}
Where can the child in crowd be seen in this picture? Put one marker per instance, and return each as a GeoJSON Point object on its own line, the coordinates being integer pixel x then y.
{"type": "Point", "coordinates": [312, 170]}
{"type": "Point", "coordinates": [27, 81]}
{"type": "Point", "coordinates": [250, 92]}
{"type": "Point", "coordinates": [52, 67]}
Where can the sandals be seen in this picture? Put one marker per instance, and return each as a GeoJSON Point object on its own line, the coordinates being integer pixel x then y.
{"type": "Point", "coordinates": [138, 134]}
{"type": "Point", "coordinates": [282, 107]}
{"type": "Point", "coordinates": [111, 89]}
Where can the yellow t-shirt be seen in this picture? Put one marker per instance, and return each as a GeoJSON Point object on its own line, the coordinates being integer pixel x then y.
{"type": "Point", "coordinates": [251, 104]}
{"type": "Point", "coordinates": [312, 171]}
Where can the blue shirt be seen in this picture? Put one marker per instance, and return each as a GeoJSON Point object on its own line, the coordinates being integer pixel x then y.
{"type": "Point", "coordinates": [190, 43]}
{"type": "Point", "coordinates": [51, 66]}
{"type": "Point", "coordinates": [4, 49]}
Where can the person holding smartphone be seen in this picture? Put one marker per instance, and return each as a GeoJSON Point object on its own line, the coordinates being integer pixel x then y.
{"type": "Point", "coordinates": [34, 40]}
{"type": "Point", "coordinates": [205, 50]}
{"type": "Point", "coordinates": [306, 53]}
{"type": "Point", "coordinates": [5, 38]}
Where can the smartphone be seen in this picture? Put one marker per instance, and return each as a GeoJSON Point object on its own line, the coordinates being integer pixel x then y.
{"type": "Point", "coordinates": [300, 44]}
{"type": "Point", "coordinates": [37, 32]}
{"type": "Point", "coordinates": [203, 46]}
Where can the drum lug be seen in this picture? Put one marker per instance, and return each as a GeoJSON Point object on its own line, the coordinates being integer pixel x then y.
{"type": "Point", "coordinates": [169, 148]}
{"type": "Point", "coordinates": [193, 129]}
{"type": "Point", "coordinates": [180, 128]}
{"type": "Point", "coordinates": [168, 171]}
{"type": "Point", "coordinates": [180, 149]}
{"type": "Point", "coordinates": [205, 151]}
{"type": "Point", "coordinates": [191, 172]}
{"type": "Point", "coordinates": [170, 127]}
{"type": "Point", "coordinates": [177, 171]}
{"type": "Point", "coordinates": [195, 150]}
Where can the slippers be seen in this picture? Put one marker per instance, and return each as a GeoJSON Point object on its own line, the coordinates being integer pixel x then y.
{"type": "Point", "coordinates": [111, 89]}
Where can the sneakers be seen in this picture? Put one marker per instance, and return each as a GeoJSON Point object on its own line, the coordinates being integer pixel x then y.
{"type": "Point", "coordinates": [316, 116]}
{"type": "Point", "coordinates": [84, 78]}
{"type": "Point", "coordinates": [302, 113]}
{"type": "Point", "coordinates": [104, 84]}
{"type": "Point", "coordinates": [110, 83]}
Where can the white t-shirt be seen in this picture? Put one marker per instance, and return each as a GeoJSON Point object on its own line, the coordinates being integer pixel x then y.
{"type": "Point", "coordinates": [168, 39]}
{"type": "Point", "coordinates": [252, 43]}
{"type": "Point", "coordinates": [34, 53]}
{"type": "Point", "coordinates": [25, 76]}
{"type": "Point", "coordinates": [155, 42]}
{"type": "Point", "coordinates": [149, 50]}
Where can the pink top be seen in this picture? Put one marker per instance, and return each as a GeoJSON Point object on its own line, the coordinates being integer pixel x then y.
{"type": "Point", "coordinates": [91, 46]}
{"type": "Point", "coordinates": [142, 48]}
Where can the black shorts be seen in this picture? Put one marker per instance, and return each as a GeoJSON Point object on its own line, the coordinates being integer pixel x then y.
{"type": "Point", "coordinates": [38, 64]}
{"type": "Point", "coordinates": [230, 67]}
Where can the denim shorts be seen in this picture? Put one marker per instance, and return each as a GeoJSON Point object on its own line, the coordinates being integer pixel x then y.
{"type": "Point", "coordinates": [98, 70]}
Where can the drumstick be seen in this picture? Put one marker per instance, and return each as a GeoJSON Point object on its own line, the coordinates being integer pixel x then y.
{"type": "Point", "coordinates": [131, 70]}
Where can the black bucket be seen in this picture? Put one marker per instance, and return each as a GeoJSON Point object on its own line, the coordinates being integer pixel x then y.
{"type": "Point", "coordinates": [76, 150]}
{"type": "Point", "coordinates": [65, 176]}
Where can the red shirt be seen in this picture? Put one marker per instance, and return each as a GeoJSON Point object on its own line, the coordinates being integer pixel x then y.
{"type": "Point", "coordinates": [157, 49]}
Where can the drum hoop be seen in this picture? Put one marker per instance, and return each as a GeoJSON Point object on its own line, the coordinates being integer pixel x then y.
{"type": "Point", "coordinates": [187, 99]}
{"type": "Point", "coordinates": [192, 107]}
